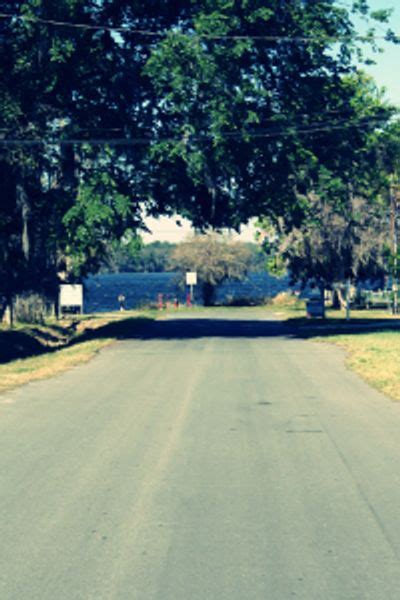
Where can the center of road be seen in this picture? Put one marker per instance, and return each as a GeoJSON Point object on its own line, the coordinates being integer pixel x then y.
{"type": "Point", "coordinates": [211, 457]}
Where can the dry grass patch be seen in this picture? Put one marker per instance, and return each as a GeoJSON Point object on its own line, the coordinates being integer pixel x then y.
{"type": "Point", "coordinates": [286, 305]}
{"type": "Point", "coordinates": [29, 353]}
{"type": "Point", "coordinates": [47, 365]}
{"type": "Point", "coordinates": [374, 356]}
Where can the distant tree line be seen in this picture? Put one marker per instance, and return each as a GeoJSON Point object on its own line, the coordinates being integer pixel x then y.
{"type": "Point", "coordinates": [159, 257]}
{"type": "Point", "coordinates": [145, 258]}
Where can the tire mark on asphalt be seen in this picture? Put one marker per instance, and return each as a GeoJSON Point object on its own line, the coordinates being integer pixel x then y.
{"type": "Point", "coordinates": [133, 540]}
{"type": "Point", "coordinates": [342, 457]}
{"type": "Point", "coordinates": [366, 501]}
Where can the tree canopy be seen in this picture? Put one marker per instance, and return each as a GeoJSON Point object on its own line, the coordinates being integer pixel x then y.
{"type": "Point", "coordinates": [219, 110]}
{"type": "Point", "coordinates": [252, 100]}
{"type": "Point", "coordinates": [332, 245]}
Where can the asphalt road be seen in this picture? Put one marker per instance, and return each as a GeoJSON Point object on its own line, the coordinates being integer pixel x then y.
{"type": "Point", "coordinates": [209, 459]}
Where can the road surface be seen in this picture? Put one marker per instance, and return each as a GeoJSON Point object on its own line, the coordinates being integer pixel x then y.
{"type": "Point", "coordinates": [215, 458]}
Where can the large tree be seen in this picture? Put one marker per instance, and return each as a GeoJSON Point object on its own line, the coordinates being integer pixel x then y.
{"type": "Point", "coordinates": [348, 232]}
{"type": "Point", "coordinates": [218, 110]}
{"type": "Point", "coordinates": [332, 245]}
{"type": "Point", "coordinates": [252, 98]}
{"type": "Point", "coordinates": [64, 200]}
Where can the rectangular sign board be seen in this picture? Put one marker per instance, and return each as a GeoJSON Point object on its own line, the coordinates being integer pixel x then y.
{"type": "Point", "coordinates": [191, 278]}
{"type": "Point", "coordinates": [71, 296]}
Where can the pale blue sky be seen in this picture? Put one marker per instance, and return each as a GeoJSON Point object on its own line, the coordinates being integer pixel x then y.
{"type": "Point", "coordinates": [386, 72]}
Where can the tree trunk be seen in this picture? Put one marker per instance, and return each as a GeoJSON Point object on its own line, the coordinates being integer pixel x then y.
{"type": "Point", "coordinates": [348, 300]}
{"type": "Point", "coordinates": [336, 303]}
{"type": "Point", "coordinates": [10, 309]}
{"type": "Point", "coordinates": [208, 290]}
{"type": "Point", "coordinates": [342, 300]}
{"type": "Point", "coordinates": [24, 207]}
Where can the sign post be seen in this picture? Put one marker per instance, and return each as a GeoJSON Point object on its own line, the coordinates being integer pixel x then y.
{"type": "Point", "coordinates": [71, 298]}
{"type": "Point", "coordinates": [191, 280]}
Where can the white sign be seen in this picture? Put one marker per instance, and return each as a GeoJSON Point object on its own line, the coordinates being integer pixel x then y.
{"type": "Point", "coordinates": [191, 278]}
{"type": "Point", "coordinates": [71, 296]}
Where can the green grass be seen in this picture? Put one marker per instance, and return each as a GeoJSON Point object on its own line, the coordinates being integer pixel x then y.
{"type": "Point", "coordinates": [361, 314]}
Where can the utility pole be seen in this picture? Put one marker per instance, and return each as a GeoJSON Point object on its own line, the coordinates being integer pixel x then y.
{"type": "Point", "coordinates": [350, 198]}
{"type": "Point", "coordinates": [394, 240]}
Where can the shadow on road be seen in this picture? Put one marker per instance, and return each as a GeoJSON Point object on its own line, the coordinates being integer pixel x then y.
{"type": "Point", "coordinates": [15, 345]}
{"type": "Point", "coordinates": [228, 327]}
{"type": "Point", "coordinates": [191, 328]}
{"type": "Point", "coordinates": [305, 329]}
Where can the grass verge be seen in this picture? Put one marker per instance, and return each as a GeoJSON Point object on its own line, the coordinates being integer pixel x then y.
{"type": "Point", "coordinates": [29, 353]}
{"type": "Point", "coordinates": [375, 357]}
{"type": "Point", "coordinates": [371, 340]}
{"type": "Point", "coordinates": [24, 370]}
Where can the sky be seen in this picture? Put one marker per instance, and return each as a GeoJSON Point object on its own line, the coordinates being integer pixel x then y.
{"type": "Point", "coordinates": [386, 73]}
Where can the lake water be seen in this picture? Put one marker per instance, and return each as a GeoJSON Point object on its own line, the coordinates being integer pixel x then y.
{"type": "Point", "coordinates": [142, 289]}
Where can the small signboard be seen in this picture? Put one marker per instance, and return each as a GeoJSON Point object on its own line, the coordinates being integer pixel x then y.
{"type": "Point", "coordinates": [71, 298]}
{"type": "Point", "coordinates": [191, 278]}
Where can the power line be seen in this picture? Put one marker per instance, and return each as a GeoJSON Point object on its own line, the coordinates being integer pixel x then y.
{"type": "Point", "coordinates": [344, 113]}
{"type": "Point", "coordinates": [196, 35]}
{"type": "Point", "coordinates": [260, 134]}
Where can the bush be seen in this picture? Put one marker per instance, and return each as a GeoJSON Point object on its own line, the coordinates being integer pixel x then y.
{"type": "Point", "coordinates": [286, 299]}
{"type": "Point", "coordinates": [241, 301]}
{"type": "Point", "coordinates": [31, 308]}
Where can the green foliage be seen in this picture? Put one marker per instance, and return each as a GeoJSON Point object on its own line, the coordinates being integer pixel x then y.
{"type": "Point", "coordinates": [332, 244]}
{"type": "Point", "coordinates": [138, 257]}
{"type": "Point", "coordinates": [244, 113]}
{"type": "Point", "coordinates": [241, 109]}
{"type": "Point", "coordinates": [99, 215]}
{"type": "Point", "coordinates": [382, 15]}
{"type": "Point", "coordinates": [155, 257]}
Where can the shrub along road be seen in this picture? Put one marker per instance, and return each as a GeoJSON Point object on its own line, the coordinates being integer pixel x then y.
{"type": "Point", "coordinates": [212, 457]}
